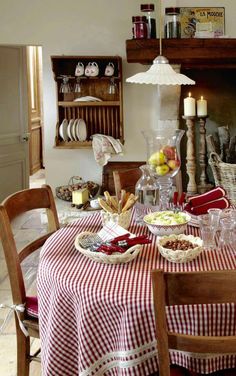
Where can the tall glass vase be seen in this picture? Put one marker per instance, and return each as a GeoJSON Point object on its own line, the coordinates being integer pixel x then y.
{"type": "Point", "coordinates": [147, 191]}
{"type": "Point", "coordinates": [163, 158]}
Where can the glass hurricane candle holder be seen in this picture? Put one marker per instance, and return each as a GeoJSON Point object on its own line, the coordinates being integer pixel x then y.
{"type": "Point", "coordinates": [164, 161]}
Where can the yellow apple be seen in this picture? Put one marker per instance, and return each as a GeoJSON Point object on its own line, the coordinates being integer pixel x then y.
{"type": "Point", "coordinates": [173, 164]}
{"type": "Point", "coordinates": [162, 170]}
{"type": "Point", "coordinates": [157, 159]}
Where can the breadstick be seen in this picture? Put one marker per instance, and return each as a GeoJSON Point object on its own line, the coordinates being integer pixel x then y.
{"type": "Point", "coordinates": [114, 203]}
{"type": "Point", "coordinates": [122, 198]}
{"type": "Point", "coordinates": [126, 197]}
{"type": "Point", "coordinates": [128, 204]}
{"type": "Point", "coordinates": [107, 197]}
{"type": "Point", "coordinates": [104, 205]}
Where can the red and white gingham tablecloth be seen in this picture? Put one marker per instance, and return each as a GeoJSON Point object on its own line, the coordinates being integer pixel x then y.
{"type": "Point", "coordinates": [98, 319]}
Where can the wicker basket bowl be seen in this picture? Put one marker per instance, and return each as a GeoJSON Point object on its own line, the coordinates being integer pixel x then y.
{"type": "Point", "coordinates": [115, 258]}
{"type": "Point", "coordinates": [224, 175]}
{"type": "Point", "coordinates": [178, 255]}
{"type": "Point", "coordinates": [122, 219]}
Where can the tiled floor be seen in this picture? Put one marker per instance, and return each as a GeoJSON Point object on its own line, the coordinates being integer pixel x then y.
{"type": "Point", "coordinates": [27, 227]}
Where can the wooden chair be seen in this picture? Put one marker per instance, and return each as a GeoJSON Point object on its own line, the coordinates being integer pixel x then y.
{"type": "Point", "coordinates": [190, 288]}
{"type": "Point", "coordinates": [14, 205]}
{"type": "Point", "coordinates": [126, 179]}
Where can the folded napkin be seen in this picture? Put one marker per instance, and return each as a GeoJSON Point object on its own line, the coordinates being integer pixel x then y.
{"type": "Point", "coordinates": [111, 230]}
{"type": "Point", "coordinates": [104, 147]}
{"type": "Point", "coordinates": [214, 199]}
{"type": "Point", "coordinates": [221, 203]}
{"type": "Point", "coordinates": [204, 198]}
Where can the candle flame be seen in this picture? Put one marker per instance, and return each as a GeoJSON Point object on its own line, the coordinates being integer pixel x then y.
{"type": "Point", "coordinates": [201, 97]}
{"type": "Point", "coordinates": [189, 94]}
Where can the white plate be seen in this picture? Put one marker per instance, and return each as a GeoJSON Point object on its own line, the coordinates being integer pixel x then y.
{"type": "Point", "coordinates": [63, 130]}
{"type": "Point", "coordinates": [87, 98]}
{"type": "Point", "coordinates": [73, 130]}
{"type": "Point", "coordinates": [69, 128]}
{"type": "Point", "coordinates": [81, 130]}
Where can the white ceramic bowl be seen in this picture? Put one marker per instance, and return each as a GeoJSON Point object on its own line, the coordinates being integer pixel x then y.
{"type": "Point", "coordinates": [95, 204]}
{"type": "Point", "coordinates": [166, 229]}
{"type": "Point", "coordinates": [180, 255]}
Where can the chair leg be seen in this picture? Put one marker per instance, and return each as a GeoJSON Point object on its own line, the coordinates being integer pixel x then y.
{"type": "Point", "coordinates": [23, 353]}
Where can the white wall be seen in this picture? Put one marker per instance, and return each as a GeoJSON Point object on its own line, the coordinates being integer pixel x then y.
{"type": "Point", "coordinates": [88, 28]}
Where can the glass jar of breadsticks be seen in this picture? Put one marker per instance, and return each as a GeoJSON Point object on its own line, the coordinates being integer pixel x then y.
{"type": "Point", "coordinates": [117, 210]}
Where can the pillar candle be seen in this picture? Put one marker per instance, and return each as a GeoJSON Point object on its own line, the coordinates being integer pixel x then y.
{"type": "Point", "coordinates": [189, 106]}
{"type": "Point", "coordinates": [201, 107]}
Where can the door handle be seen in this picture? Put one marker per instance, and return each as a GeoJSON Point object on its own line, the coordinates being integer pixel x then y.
{"type": "Point", "coordinates": [25, 137]}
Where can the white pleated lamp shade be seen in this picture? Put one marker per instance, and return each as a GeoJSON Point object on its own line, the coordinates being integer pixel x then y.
{"type": "Point", "coordinates": [160, 73]}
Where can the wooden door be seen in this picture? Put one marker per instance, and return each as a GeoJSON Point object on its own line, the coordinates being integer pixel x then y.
{"type": "Point", "coordinates": [34, 68]}
{"type": "Point", "coordinates": [14, 146]}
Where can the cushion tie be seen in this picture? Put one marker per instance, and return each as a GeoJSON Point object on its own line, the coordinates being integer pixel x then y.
{"type": "Point", "coordinates": [16, 308]}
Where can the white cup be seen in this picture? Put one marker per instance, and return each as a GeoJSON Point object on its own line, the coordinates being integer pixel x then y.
{"type": "Point", "coordinates": [79, 70]}
{"type": "Point", "coordinates": [109, 71]}
{"type": "Point", "coordinates": [92, 69]}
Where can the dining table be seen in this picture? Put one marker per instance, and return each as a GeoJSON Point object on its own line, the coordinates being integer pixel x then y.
{"type": "Point", "coordinates": [98, 318]}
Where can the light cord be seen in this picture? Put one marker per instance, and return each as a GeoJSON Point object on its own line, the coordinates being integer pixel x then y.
{"type": "Point", "coordinates": [160, 27]}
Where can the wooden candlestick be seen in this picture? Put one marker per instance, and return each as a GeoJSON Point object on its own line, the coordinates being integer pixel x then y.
{"type": "Point", "coordinates": [190, 155]}
{"type": "Point", "coordinates": [203, 185]}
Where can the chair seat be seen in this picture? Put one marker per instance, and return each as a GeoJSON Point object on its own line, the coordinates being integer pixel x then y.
{"type": "Point", "coordinates": [32, 306]}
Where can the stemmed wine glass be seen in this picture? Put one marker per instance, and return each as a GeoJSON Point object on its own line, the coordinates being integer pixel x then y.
{"type": "Point", "coordinates": [65, 85]}
{"type": "Point", "coordinates": [77, 88]}
{"type": "Point", "coordinates": [112, 86]}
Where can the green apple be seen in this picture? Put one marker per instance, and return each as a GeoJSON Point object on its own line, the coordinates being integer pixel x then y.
{"type": "Point", "coordinates": [157, 159]}
{"type": "Point", "coordinates": [162, 170]}
{"type": "Point", "coordinates": [173, 163]}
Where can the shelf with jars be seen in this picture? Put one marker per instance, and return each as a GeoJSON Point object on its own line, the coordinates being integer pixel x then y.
{"type": "Point", "coordinates": [89, 99]}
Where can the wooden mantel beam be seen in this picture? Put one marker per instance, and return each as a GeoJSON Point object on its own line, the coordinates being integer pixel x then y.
{"type": "Point", "coordinates": [218, 53]}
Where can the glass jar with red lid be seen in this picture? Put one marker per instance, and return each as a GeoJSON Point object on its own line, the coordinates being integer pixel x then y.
{"type": "Point", "coordinates": [139, 27]}
{"type": "Point", "coordinates": [151, 22]}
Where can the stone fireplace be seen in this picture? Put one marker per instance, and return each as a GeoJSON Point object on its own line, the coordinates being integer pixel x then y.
{"type": "Point", "coordinates": [209, 62]}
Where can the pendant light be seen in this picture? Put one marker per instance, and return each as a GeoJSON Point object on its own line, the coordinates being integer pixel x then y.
{"type": "Point", "coordinates": [161, 72]}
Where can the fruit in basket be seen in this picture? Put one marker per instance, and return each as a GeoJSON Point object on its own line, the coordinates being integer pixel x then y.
{"type": "Point", "coordinates": [162, 170]}
{"type": "Point", "coordinates": [157, 159]}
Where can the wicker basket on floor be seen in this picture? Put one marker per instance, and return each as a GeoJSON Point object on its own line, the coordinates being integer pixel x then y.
{"type": "Point", "coordinates": [224, 175]}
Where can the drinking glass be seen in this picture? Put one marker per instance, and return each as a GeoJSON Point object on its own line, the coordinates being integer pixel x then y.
{"type": "Point", "coordinates": [215, 217]}
{"type": "Point", "coordinates": [226, 232]}
{"type": "Point", "coordinates": [208, 230]}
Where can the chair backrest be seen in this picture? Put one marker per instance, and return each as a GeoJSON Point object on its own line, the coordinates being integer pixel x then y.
{"type": "Point", "coordinates": [126, 179]}
{"type": "Point", "coordinates": [14, 205]}
{"type": "Point", "coordinates": [185, 289]}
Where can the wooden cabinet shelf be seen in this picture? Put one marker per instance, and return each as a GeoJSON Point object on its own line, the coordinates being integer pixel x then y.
{"type": "Point", "coordinates": [88, 104]}
{"type": "Point", "coordinates": [72, 144]}
{"type": "Point", "coordinates": [218, 53]}
{"type": "Point", "coordinates": [103, 117]}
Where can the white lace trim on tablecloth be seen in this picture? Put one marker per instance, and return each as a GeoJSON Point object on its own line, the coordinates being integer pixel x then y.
{"type": "Point", "coordinates": [150, 349]}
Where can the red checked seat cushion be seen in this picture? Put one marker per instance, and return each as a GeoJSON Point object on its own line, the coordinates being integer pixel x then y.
{"type": "Point", "coordinates": [32, 306]}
